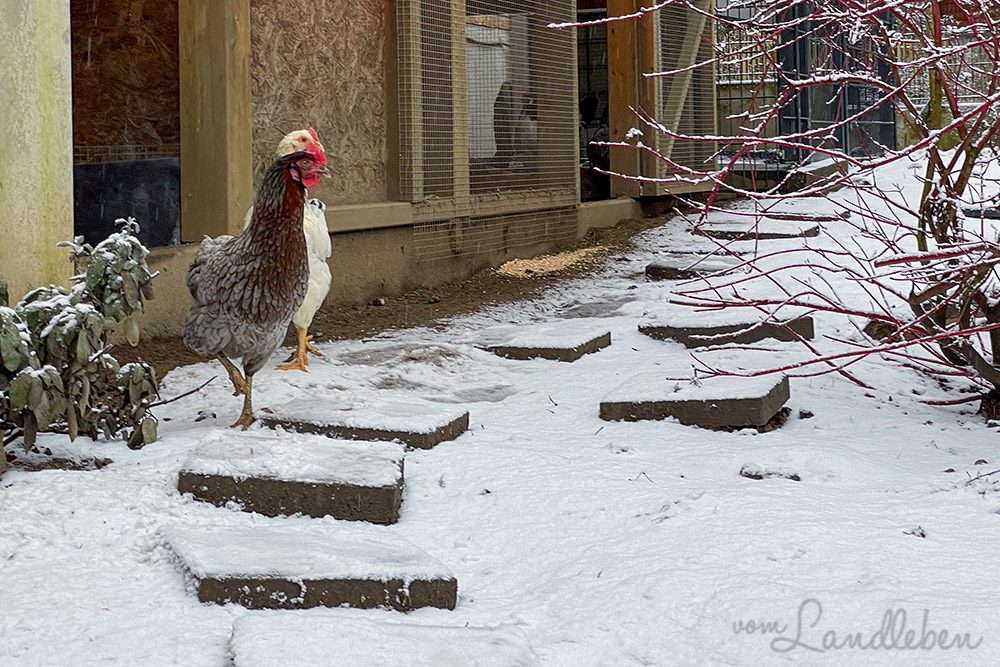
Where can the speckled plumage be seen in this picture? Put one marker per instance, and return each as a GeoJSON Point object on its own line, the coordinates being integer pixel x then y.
{"type": "Point", "coordinates": [246, 288]}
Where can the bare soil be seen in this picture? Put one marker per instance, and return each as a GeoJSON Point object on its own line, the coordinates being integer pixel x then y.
{"type": "Point", "coordinates": [423, 306]}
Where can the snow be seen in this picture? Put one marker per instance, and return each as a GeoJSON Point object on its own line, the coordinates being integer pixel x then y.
{"type": "Point", "coordinates": [371, 413]}
{"type": "Point", "coordinates": [554, 335]}
{"type": "Point", "coordinates": [267, 639]}
{"type": "Point", "coordinates": [659, 384]}
{"type": "Point", "coordinates": [297, 457]}
{"type": "Point", "coordinates": [697, 263]}
{"type": "Point", "coordinates": [259, 549]}
{"type": "Point", "coordinates": [604, 543]}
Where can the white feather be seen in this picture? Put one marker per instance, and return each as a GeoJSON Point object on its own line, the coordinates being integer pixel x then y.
{"type": "Point", "coordinates": [319, 248]}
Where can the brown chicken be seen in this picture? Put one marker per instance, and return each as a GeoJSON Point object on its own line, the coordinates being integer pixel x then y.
{"type": "Point", "coordinates": [246, 288]}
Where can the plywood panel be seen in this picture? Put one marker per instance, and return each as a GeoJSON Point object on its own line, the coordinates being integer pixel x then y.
{"type": "Point", "coordinates": [125, 75]}
{"type": "Point", "coordinates": [324, 64]}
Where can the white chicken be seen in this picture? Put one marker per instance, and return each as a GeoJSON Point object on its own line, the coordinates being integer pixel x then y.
{"type": "Point", "coordinates": [319, 250]}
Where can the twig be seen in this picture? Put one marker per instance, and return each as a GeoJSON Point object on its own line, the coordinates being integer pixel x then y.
{"type": "Point", "coordinates": [184, 395]}
{"type": "Point", "coordinates": [981, 475]}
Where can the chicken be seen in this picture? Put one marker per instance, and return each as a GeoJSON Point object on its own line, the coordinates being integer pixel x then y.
{"type": "Point", "coordinates": [247, 288]}
{"type": "Point", "coordinates": [319, 249]}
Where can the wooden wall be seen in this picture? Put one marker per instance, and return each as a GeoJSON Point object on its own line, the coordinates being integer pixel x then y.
{"type": "Point", "coordinates": [323, 64]}
{"type": "Point", "coordinates": [125, 73]}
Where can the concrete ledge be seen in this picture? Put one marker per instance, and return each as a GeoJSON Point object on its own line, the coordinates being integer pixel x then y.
{"type": "Point", "coordinates": [397, 594]}
{"type": "Point", "coordinates": [780, 230]}
{"type": "Point", "coordinates": [568, 354]}
{"type": "Point", "coordinates": [361, 217]}
{"type": "Point", "coordinates": [607, 213]}
{"type": "Point", "coordinates": [288, 473]}
{"type": "Point", "coordinates": [387, 422]}
{"type": "Point", "coordinates": [262, 566]}
{"type": "Point", "coordinates": [686, 267]}
{"type": "Point", "coordinates": [691, 336]}
{"type": "Point", "coordinates": [717, 413]}
{"type": "Point", "coordinates": [276, 497]}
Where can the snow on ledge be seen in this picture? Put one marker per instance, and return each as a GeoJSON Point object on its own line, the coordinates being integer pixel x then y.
{"type": "Point", "coordinates": [283, 638]}
{"type": "Point", "coordinates": [297, 457]}
{"type": "Point", "coordinates": [300, 552]}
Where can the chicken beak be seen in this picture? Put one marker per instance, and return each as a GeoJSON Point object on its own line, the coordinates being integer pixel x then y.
{"type": "Point", "coordinates": [324, 171]}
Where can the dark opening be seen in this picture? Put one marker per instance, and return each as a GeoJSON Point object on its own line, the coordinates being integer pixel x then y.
{"type": "Point", "coordinates": [126, 118]}
{"type": "Point", "coordinates": [592, 63]}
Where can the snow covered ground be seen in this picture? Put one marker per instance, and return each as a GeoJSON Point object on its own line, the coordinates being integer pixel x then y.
{"type": "Point", "coordinates": [601, 543]}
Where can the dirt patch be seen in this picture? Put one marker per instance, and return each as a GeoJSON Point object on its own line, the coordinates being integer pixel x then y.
{"type": "Point", "coordinates": [425, 306]}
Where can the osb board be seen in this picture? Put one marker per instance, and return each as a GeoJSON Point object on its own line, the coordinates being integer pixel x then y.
{"type": "Point", "coordinates": [323, 64]}
{"type": "Point", "coordinates": [126, 89]}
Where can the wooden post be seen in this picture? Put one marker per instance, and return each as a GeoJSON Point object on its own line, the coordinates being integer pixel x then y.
{"type": "Point", "coordinates": [623, 93]}
{"type": "Point", "coordinates": [36, 143]}
{"type": "Point", "coordinates": [216, 136]}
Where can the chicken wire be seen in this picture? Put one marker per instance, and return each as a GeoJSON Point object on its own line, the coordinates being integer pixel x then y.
{"type": "Point", "coordinates": [686, 101]}
{"type": "Point", "coordinates": [487, 99]}
{"type": "Point", "coordinates": [495, 235]}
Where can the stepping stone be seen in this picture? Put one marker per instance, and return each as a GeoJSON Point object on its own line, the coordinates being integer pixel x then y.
{"type": "Point", "coordinates": [277, 474]}
{"type": "Point", "coordinates": [728, 403]}
{"type": "Point", "coordinates": [986, 213]}
{"type": "Point", "coordinates": [414, 423]}
{"type": "Point", "coordinates": [557, 341]}
{"type": "Point", "coordinates": [763, 231]}
{"type": "Point", "coordinates": [677, 266]}
{"type": "Point", "coordinates": [299, 566]}
{"type": "Point", "coordinates": [687, 331]}
{"type": "Point", "coordinates": [291, 639]}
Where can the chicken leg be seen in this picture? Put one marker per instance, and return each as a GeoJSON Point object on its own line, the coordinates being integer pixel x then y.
{"type": "Point", "coordinates": [240, 384]}
{"type": "Point", "coordinates": [246, 417]}
{"type": "Point", "coordinates": [300, 359]}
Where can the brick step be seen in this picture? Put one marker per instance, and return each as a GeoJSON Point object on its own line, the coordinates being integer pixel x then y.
{"type": "Point", "coordinates": [276, 473]}
{"type": "Point", "coordinates": [292, 639]}
{"type": "Point", "coordinates": [296, 566]}
{"type": "Point", "coordinates": [418, 424]}
{"type": "Point", "coordinates": [715, 403]}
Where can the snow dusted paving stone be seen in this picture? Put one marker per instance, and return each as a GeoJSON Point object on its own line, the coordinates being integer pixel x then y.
{"type": "Point", "coordinates": [302, 566]}
{"type": "Point", "coordinates": [716, 403]}
{"type": "Point", "coordinates": [558, 341]}
{"type": "Point", "coordinates": [676, 266]}
{"type": "Point", "coordinates": [276, 638]}
{"type": "Point", "coordinates": [765, 231]}
{"type": "Point", "coordinates": [691, 334]}
{"type": "Point", "coordinates": [418, 424]}
{"type": "Point", "coordinates": [275, 474]}
{"type": "Point", "coordinates": [754, 471]}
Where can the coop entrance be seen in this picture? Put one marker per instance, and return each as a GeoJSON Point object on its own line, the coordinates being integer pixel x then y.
{"type": "Point", "coordinates": [592, 76]}
{"type": "Point", "coordinates": [126, 118]}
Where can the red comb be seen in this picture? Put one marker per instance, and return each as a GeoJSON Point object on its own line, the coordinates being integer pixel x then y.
{"type": "Point", "coordinates": [318, 151]}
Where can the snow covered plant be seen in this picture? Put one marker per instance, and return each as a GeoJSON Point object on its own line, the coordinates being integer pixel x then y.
{"type": "Point", "coordinates": [56, 372]}
{"type": "Point", "coordinates": [902, 99]}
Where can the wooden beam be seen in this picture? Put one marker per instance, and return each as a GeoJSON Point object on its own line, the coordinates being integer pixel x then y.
{"type": "Point", "coordinates": [216, 135]}
{"type": "Point", "coordinates": [623, 93]}
{"type": "Point", "coordinates": [36, 143]}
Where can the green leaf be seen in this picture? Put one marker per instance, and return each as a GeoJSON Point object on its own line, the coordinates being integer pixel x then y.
{"type": "Point", "coordinates": [131, 291]}
{"type": "Point", "coordinates": [148, 430]}
{"type": "Point", "coordinates": [20, 391]}
{"type": "Point", "coordinates": [132, 331]}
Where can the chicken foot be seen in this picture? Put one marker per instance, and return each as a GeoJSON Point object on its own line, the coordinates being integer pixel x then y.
{"type": "Point", "coordinates": [246, 417]}
{"type": "Point", "coordinates": [240, 384]}
{"type": "Point", "coordinates": [300, 359]}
